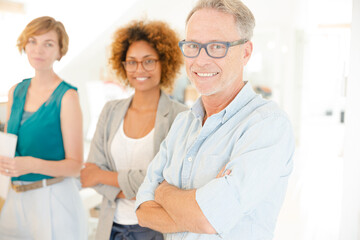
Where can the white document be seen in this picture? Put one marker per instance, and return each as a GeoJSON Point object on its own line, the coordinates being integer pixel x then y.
{"type": "Point", "coordinates": [7, 149]}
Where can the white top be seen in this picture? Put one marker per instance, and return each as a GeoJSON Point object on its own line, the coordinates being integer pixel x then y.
{"type": "Point", "coordinates": [135, 154]}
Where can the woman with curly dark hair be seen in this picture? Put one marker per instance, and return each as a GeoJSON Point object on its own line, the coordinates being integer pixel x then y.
{"type": "Point", "coordinates": [145, 55]}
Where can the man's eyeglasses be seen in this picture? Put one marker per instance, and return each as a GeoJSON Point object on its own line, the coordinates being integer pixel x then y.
{"type": "Point", "coordinates": [214, 49]}
{"type": "Point", "coordinates": [147, 64]}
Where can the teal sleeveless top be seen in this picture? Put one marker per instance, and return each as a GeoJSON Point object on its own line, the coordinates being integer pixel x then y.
{"type": "Point", "coordinates": [40, 135]}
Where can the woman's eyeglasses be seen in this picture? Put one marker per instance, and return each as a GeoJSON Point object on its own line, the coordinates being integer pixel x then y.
{"type": "Point", "coordinates": [147, 64]}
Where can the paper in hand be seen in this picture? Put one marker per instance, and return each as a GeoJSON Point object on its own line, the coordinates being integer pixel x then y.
{"type": "Point", "coordinates": [7, 149]}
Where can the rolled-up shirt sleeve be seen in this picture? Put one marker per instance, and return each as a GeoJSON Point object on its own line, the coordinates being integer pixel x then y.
{"type": "Point", "coordinates": [153, 177]}
{"type": "Point", "coordinates": [261, 161]}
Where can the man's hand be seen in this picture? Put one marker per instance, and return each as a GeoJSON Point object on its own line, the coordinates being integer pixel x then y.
{"type": "Point", "coordinates": [223, 172]}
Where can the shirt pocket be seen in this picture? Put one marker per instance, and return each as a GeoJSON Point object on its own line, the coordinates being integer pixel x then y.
{"type": "Point", "coordinates": [208, 168]}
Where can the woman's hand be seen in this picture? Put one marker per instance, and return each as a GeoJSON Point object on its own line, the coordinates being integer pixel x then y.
{"type": "Point", "coordinates": [15, 167]}
{"type": "Point", "coordinates": [89, 175]}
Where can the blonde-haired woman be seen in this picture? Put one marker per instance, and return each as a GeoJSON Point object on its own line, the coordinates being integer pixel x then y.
{"type": "Point", "coordinates": [44, 112]}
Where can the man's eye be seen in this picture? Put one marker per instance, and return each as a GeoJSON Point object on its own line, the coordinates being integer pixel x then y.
{"type": "Point", "coordinates": [192, 46]}
{"type": "Point", "coordinates": [216, 46]}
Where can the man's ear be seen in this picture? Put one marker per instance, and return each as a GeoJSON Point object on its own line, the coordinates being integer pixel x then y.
{"type": "Point", "coordinates": [248, 48]}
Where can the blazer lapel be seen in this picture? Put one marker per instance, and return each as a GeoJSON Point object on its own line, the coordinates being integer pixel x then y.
{"type": "Point", "coordinates": [161, 121]}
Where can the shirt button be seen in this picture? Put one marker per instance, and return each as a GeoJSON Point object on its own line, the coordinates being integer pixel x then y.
{"type": "Point", "coordinates": [189, 159]}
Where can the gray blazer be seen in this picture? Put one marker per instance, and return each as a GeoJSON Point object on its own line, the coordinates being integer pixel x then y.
{"type": "Point", "coordinates": [100, 154]}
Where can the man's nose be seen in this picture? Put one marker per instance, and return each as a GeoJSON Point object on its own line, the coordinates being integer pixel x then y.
{"type": "Point", "coordinates": [203, 57]}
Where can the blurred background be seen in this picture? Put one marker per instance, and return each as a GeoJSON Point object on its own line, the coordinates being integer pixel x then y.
{"type": "Point", "coordinates": [306, 58]}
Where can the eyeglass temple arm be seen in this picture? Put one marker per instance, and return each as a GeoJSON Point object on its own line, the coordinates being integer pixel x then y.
{"type": "Point", "coordinates": [238, 42]}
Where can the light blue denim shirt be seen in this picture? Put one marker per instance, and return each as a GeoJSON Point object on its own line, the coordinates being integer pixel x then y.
{"type": "Point", "coordinates": [254, 139]}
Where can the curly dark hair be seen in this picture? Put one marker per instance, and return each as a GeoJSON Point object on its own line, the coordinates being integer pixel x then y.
{"type": "Point", "coordinates": [160, 36]}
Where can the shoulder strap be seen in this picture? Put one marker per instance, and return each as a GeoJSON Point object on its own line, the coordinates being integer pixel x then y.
{"type": "Point", "coordinates": [59, 92]}
{"type": "Point", "coordinates": [17, 107]}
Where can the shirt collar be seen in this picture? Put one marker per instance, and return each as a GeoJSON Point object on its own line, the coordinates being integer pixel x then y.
{"type": "Point", "coordinates": [245, 95]}
{"type": "Point", "coordinates": [198, 109]}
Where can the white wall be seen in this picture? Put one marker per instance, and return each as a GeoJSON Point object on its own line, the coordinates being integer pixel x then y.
{"type": "Point", "coordinates": [350, 220]}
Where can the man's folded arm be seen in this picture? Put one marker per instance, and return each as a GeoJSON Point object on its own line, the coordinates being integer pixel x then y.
{"type": "Point", "coordinates": [152, 215]}
{"type": "Point", "coordinates": [182, 207]}
{"type": "Point", "coordinates": [256, 169]}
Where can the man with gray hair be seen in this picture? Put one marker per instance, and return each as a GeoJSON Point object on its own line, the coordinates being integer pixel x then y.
{"type": "Point", "coordinates": [223, 169]}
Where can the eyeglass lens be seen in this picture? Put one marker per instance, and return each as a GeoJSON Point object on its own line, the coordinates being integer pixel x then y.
{"type": "Point", "coordinates": [213, 49]}
{"type": "Point", "coordinates": [148, 65]}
